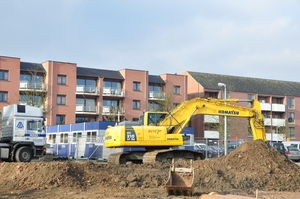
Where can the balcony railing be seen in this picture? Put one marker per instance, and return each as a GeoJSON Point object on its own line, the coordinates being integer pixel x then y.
{"type": "Point", "coordinates": [156, 95]}
{"type": "Point", "coordinates": [86, 109]}
{"type": "Point", "coordinates": [274, 122]}
{"type": "Point", "coordinates": [86, 89]}
{"type": "Point", "coordinates": [211, 134]}
{"type": "Point", "coordinates": [31, 86]}
{"type": "Point", "coordinates": [272, 107]}
{"type": "Point", "coordinates": [113, 92]}
{"type": "Point", "coordinates": [278, 107]}
{"type": "Point", "coordinates": [211, 119]}
{"type": "Point", "coordinates": [111, 110]}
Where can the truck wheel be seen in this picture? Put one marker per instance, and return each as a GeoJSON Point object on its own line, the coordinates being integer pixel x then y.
{"type": "Point", "coordinates": [23, 154]}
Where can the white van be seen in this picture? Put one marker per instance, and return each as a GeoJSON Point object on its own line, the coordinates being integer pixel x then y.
{"type": "Point", "coordinates": [292, 143]}
{"type": "Point", "coordinates": [201, 145]}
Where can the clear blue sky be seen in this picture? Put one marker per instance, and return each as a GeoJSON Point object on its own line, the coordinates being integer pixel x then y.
{"type": "Point", "coordinates": [250, 38]}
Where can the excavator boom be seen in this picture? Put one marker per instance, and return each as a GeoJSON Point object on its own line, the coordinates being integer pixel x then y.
{"type": "Point", "coordinates": [180, 116]}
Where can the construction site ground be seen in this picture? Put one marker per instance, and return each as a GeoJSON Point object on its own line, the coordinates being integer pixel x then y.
{"type": "Point", "coordinates": [252, 169]}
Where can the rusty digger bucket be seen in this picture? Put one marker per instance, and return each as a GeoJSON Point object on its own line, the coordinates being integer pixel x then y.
{"type": "Point", "coordinates": [181, 180]}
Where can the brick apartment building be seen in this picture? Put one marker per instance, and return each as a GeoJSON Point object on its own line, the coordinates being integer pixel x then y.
{"type": "Point", "coordinates": [73, 94]}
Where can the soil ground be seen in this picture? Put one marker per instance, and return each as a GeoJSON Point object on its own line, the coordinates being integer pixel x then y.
{"type": "Point", "coordinates": [254, 166]}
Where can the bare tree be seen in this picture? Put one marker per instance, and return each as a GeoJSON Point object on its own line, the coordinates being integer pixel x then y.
{"type": "Point", "coordinates": [165, 100]}
{"type": "Point", "coordinates": [33, 91]}
{"type": "Point", "coordinates": [115, 114]}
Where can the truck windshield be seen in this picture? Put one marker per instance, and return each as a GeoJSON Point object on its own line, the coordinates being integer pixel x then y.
{"type": "Point", "coordinates": [34, 125]}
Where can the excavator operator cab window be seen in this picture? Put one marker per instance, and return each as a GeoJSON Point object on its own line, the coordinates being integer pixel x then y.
{"type": "Point", "coordinates": [155, 118]}
{"type": "Point", "coordinates": [141, 119]}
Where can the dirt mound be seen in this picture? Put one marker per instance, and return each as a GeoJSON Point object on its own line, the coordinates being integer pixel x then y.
{"type": "Point", "coordinates": [253, 165]}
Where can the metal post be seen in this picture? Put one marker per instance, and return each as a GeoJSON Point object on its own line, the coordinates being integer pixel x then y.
{"type": "Point", "coordinates": [225, 120]}
{"type": "Point", "coordinates": [225, 126]}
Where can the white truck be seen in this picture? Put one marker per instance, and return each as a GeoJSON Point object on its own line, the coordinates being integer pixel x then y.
{"type": "Point", "coordinates": [22, 136]}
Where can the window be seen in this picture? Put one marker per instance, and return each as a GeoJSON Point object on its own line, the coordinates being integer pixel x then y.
{"type": "Point", "coordinates": [64, 138]}
{"type": "Point", "coordinates": [266, 114]}
{"type": "Point", "coordinates": [3, 75]}
{"type": "Point", "coordinates": [278, 115]}
{"type": "Point", "coordinates": [33, 100]}
{"type": "Point", "coordinates": [250, 97]}
{"type": "Point", "coordinates": [291, 132]}
{"type": "Point", "coordinates": [31, 81]}
{"type": "Point", "coordinates": [52, 138]}
{"type": "Point", "coordinates": [86, 105]}
{"type": "Point", "coordinates": [110, 106]}
{"type": "Point", "coordinates": [86, 85]}
{"type": "Point", "coordinates": [81, 119]}
{"type": "Point", "coordinates": [211, 94]}
{"type": "Point", "coordinates": [61, 100]}
{"type": "Point", "coordinates": [91, 136]}
{"type": "Point", "coordinates": [155, 91]}
{"type": "Point", "coordinates": [113, 85]}
{"type": "Point", "coordinates": [34, 125]}
{"type": "Point", "coordinates": [177, 90]}
{"type": "Point", "coordinates": [291, 103]}
{"type": "Point", "coordinates": [136, 104]}
{"type": "Point", "coordinates": [277, 100]}
{"type": "Point", "coordinates": [3, 96]}
{"type": "Point", "coordinates": [155, 106]}
{"type": "Point", "coordinates": [76, 135]}
{"type": "Point", "coordinates": [62, 79]}
{"type": "Point", "coordinates": [136, 86]}
{"type": "Point", "coordinates": [60, 119]}
{"type": "Point", "coordinates": [135, 119]}
{"type": "Point", "coordinates": [291, 117]}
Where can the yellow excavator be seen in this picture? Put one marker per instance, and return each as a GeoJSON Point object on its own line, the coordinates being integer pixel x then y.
{"type": "Point", "coordinates": [158, 132]}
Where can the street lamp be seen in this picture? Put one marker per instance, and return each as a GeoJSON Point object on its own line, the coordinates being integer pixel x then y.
{"type": "Point", "coordinates": [225, 119]}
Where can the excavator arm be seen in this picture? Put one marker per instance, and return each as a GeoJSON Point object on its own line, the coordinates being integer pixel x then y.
{"type": "Point", "coordinates": [176, 120]}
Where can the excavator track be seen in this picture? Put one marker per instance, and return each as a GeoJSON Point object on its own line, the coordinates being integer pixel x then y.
{"type": "Point", "coordinates": [116, 158]}
{"type": "Point", "coordinates": [163, 155]}
{"type": "Point", "coordinates": [168, 155]}
{"type": "Point", "coordinates": [123, 157]}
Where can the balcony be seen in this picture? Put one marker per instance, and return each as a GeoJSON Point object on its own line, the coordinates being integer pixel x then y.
{"type": "Point", "coordinates": [265, 106]}
{"type": "Point", "coordinates": [25, 86]}
{"type": "Point", "coordinates": [82, 89]}
{"type": "Point", "coordinates": [86, 109]}
{"type": "Point", "coordinates": [211, 135]}
{"type": "Point", "coordinates": [272, 107]}
{"type": "Point", "coordinates": [113, 92]}
{"type": "Point", "coordinates": [156, 95]}
{"type": "Point", "coordinates": [111, 110]}
{"type": "Point", "coordinates": [274, 122]}
{"type": "Point", "coordinates": [211, 119]}
{"type": "Point", "coordinates": [278, 107]}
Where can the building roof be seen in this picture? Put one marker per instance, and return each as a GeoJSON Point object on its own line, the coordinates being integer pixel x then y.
{"type": "Point", "coordinates": [33, 67]}
{"type": "Point", "coordinates": [156, 79]}
{"type": "Point", "coordinates": [247, 84]}
{"type": "Point", "coordinates": [94, 72]}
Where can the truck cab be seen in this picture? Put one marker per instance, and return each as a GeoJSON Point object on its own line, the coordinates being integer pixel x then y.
{"type": "Point", "coordinates": [22, 136]}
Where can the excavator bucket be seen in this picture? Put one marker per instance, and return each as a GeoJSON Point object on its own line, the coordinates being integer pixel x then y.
{"type": "Point", "coordinates": [181, 180]}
